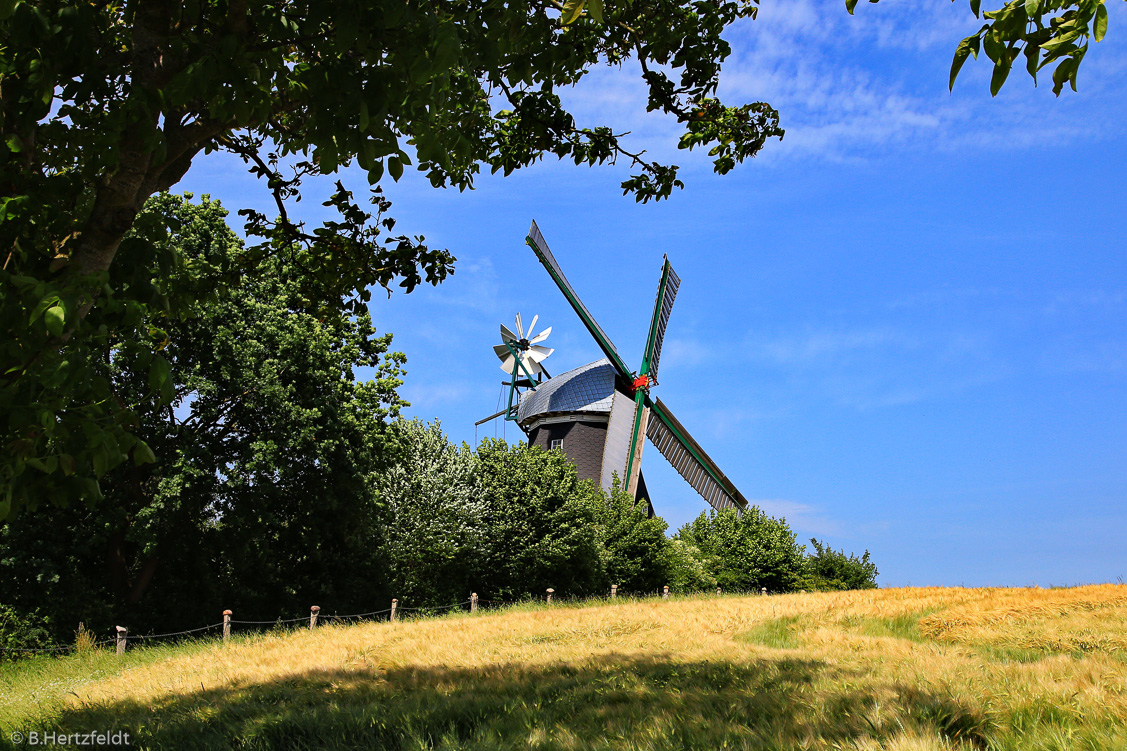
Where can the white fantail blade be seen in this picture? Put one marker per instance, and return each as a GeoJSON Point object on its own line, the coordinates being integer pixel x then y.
{"type": "Point", "coordinates": [530, 364]}
{"type": "Point", "coordinates": [501, 350]}
{"type": "Point", "coordinates": [508, 336]}
{"type": "Point", "coordinates": [531, 326]}
{"type": "Point", "coordinates": [539, 354]}
{"type": "Point", "coordinates": [520, 330]}
{"type": "Point", "coordinates": [541, 336]}
{"type": "Point", "coordinates": [508, 363]}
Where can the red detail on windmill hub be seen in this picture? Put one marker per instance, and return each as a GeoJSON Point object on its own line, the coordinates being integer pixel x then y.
{"type": "Point", "coordinates": [641, 382]}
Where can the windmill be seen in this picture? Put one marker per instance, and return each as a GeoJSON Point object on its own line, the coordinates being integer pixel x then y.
{"type": "Point", "coordinates": [599, 414]}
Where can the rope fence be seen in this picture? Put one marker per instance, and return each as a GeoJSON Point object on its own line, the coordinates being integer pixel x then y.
{"type": "Point", "coordinates": [474, 604]}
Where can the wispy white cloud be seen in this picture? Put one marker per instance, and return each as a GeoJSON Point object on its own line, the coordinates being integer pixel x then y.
{"type": "Point", "coordinates": [687, 353]}
{"type": "Point", "coordinates": [824, 345]}
{"type": "Point", "coordinates": [427, 396]}
{"type": "Point", "coordinates": [854, 87]}
{"type": "Point", "coordinates": [881, 366]}
{"type": "Point", "coordinates": [1093, 357]}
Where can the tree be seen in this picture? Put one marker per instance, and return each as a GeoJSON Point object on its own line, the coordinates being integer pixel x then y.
{"type": "Point", "coordinates": [633, 543]}
{"type": "Point", "coordinates": [687, 568]}
{"type": "Point", "coordinates": [540, 524]}
{"type": "Point", "coordinates": [746, 551]}
{"type": "Point", "coordinates": [829, 569]}
{"type": "Point", "coordinates": [103, 105]}
{"type": "Point", "coordinates": [268, 447]}
{"type": "Point", "coordinates": [433, 517]}
{"type": "Point", "coordinates": [1044, 31]}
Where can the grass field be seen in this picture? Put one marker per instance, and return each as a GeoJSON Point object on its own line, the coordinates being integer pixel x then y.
{"type": "Point", "coordinates": [898, 669]}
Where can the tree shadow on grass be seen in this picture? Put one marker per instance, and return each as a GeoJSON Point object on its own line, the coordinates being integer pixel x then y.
{"type": "Point", "coordinates": [613, 702]}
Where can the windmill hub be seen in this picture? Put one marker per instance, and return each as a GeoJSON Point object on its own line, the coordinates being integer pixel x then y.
{"type": "Point", "coordinates": [641, 383]}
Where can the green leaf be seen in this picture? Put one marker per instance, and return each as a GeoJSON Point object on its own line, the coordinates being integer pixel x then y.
{"type": "Point", "coordinates": [42, 306]}
{"type": "Point", "coordinates": [850, 5]}
{"type": "Point", "coordinates": [91, 490]}
{"type": "Point", "coordinates": [596, 8]}
{"type": "Point", "coordinates": [974, 7]}
{"type": "Point", "coordinates": [1031, 55]}
{"type": "Point", "coordinates": [1101, 22]}
{"type": "Point", "coordinates": [7, 8]}
{"type": "Point", "coordinates": [101, 460]}
{"type": "Point", "coordinates": [571, 11]}
{"type": "Point", "coordinates": [14, 142]}
{"type": "Point", "coordinates": [56, 319]}
{"type": "Point", "coordinates": [142, 454]}
{"type": "Point", "coordinates": [1031, 7]}
{"type": "Point", "coordinates": [1001, 72]}
{"type": "Point", "coordinates": [159, 374]}
{"type": "Point", "coordinates": [962, 52]}
{"type": "Point", "coordinates": [1064, 72]}
{"type": "Point", "coordinates": [376, 172]}
{"type": "Point", "coordinates": [394, 168]}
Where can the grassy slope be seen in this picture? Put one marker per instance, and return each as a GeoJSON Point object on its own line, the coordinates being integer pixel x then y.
{"type": "Point", "coordinates": [920, 669]}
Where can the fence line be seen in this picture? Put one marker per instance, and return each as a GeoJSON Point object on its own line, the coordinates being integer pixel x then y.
{"type": "Point", "coordinates": [123, 637]}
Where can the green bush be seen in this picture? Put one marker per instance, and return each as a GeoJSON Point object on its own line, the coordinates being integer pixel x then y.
{"type": "Point", "coordinates": [687, 568]}
{"type": "Point", "coordinates": [832, 570]}
{"type": "Point", "coordinates": [21, 630]}
{"type": "Point", "coordinates": [433, 518]}
{"type": "Point", "coordinates": [747, 551]}
{"type": "Point", "coordinates": [540, 524]}
{"type": "Point", "coordinates": [634, 546]}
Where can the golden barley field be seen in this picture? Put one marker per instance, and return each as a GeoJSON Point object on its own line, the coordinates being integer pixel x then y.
{"type": "Point", "coordinates": [899, 669]}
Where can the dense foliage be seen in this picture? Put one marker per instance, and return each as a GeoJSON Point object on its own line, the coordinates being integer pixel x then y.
{"type": "Point", "coordinates": [829, 569]}
{"type": "Point", "coordinates": [432, 517]}
{"type": "Point", "coordinates": [746, 552]}
{"type": "Point", "coordinates": [268, 446]}
{"type": "Point", "coordinates": [103, 105]}
{"type": "Point", "coordinates": [635, 549]}
{"type": "Point", "coordinates": [540, 524]}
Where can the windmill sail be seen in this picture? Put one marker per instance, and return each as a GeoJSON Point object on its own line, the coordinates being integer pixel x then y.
{"type": "Point", "coordinates": [616, 448]}
{"type": "Point", "coordinates": [536, 241]}
{"type": "Point", "coordinates": [663, 306]}
{"type": "Point", "coordinates": [690, 461]}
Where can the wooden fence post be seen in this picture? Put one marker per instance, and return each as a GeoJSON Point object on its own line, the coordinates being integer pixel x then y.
{"type": "Point", "coordinates": [313, 611]}
{"type": "Point", "coordinates": [122, 637]}
{"type": "Point", "coordinates": [550, 591]}
{"type": "Point", "coordinates": [665, 593]}
{"type": "Point", "coordinates": [718, 591]}
{"type": "Point", "coordinates": [764, 590]}
{"type": "Point", "coordinates": [394, 606]}
{"type": "Point", "coordinates": [473, 602]}
{"type": "Point", "coordinates": [226, 625]}
{"type": "Point", "coordinates": [614, 591]}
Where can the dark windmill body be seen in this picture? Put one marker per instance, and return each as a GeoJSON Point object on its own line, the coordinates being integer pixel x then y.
{"type": "Point", "coordinates": [599, 414]}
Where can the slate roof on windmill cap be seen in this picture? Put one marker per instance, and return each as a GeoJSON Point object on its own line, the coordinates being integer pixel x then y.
{"type": "Point", "coordinates": [589, 388]}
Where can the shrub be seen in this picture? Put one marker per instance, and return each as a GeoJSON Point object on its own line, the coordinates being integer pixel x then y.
{"type": "Point", "coordinates": [686, 567]}
{"type": "Point", "coordinates": [21, 630]}
{"type": "Point", "coordinates": [433, 517]}
{"type": "Point", "coordinates": [746, 551]}
{"type": "Point", "coordinates": [634, 545]}
{"type": "Point", "coordinates": [540, 524]}
{"type": "Point", "coordinates": [832, 570]}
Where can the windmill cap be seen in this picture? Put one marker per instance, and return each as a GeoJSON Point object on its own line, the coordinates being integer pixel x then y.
{"type": "Point", "coordinates": [588, 388]}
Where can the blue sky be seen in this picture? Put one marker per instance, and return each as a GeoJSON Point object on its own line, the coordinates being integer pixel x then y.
{"type": "Point", "coordinates": [903, 328]}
